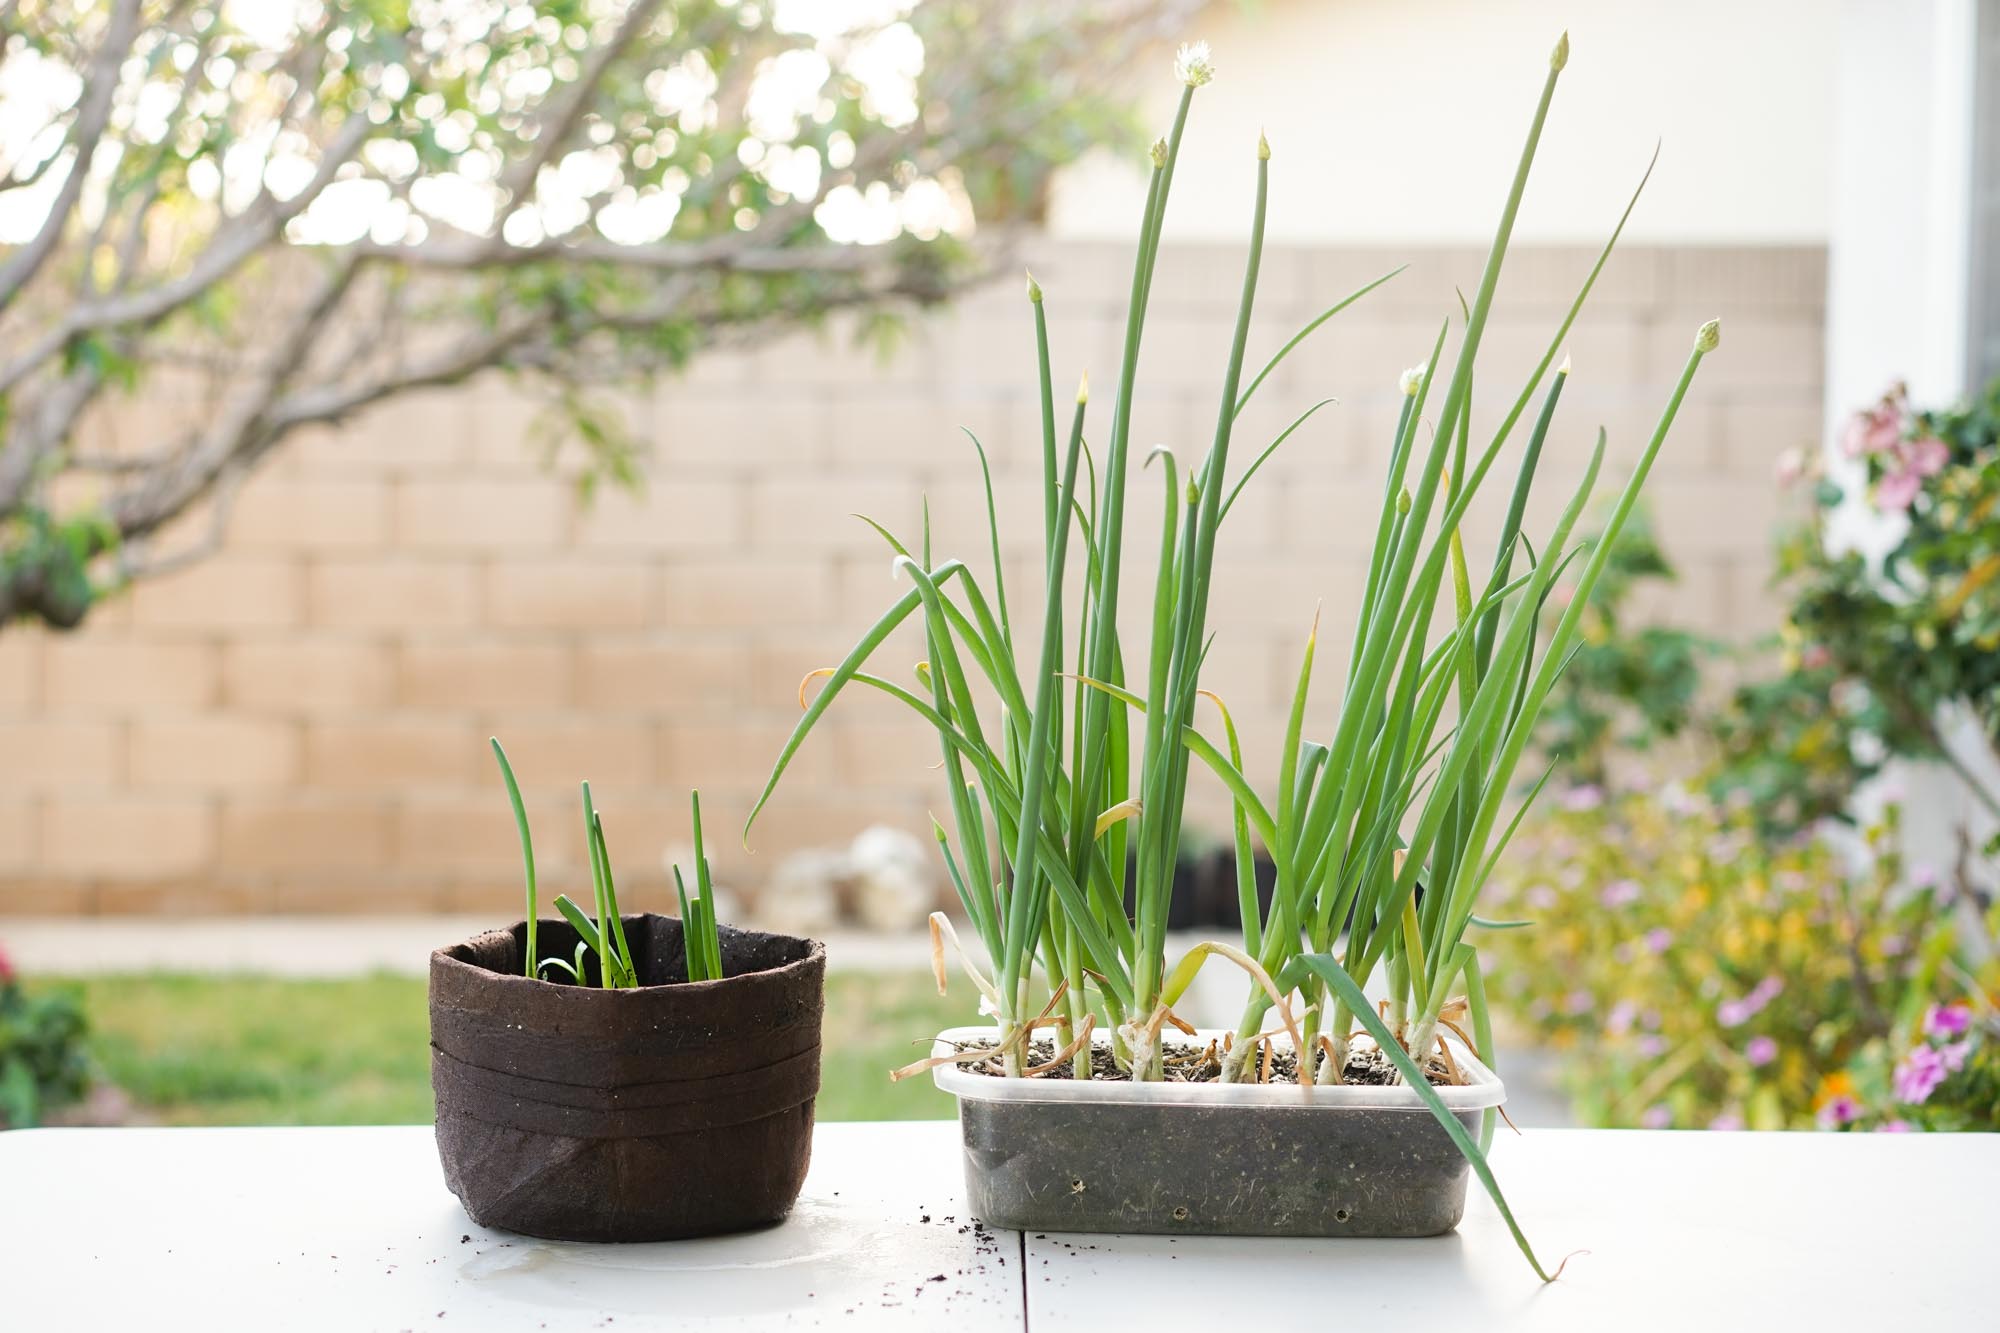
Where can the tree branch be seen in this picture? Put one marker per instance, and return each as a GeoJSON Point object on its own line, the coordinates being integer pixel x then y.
{"type": "Point", "coordinates": [100, 87]}
{"type": "Point", "coordinates": [563, 114]}
{"type": "Point", "coordinates": [239, 435]}
{"type": "Point", "coordinates": [228, 251]}
{"type": "Point", "coordinates": [727, 252]}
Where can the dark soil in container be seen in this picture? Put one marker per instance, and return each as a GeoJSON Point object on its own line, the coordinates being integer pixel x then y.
{"type": "Point", "coordinates": [676, 1109]}
{"type": "Point", "coordinates": [1188, 1062]}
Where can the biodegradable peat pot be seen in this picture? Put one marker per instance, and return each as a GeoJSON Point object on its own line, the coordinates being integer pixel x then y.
{"type": "Point", "coordinates": [676, 1109]}
{"type": "Point", "coordinates": [1208, 1158]}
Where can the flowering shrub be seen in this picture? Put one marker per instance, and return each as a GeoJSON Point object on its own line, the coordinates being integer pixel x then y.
{"type": "Point", "coordinates": [1941, 1073]}
{"type": "Point", "coordinates": [1775, 744]}
{"type": "Point", "coordinates": [1692, 972]}
{"type": "Point", "coordinates": [1706, 960]}
{"type": "Point", "coordinates": [1920, 629]}
{"type": "Point", "coordinates": [41, 1051]}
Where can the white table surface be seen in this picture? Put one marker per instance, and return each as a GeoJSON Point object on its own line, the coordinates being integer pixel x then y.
{"type": "Point", "coordinates": [353, 1229]}
{"type": "Point", "coordinates": [307, 1229]}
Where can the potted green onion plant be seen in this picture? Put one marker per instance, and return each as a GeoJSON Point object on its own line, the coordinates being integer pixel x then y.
{"type": "Point", "coordinates": [624, 1078]}
{"type": "Point", "coordinates": [1087, 1104]}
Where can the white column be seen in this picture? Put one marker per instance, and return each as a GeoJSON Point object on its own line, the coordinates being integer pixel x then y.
{"type": "Point", "coordinates": [1900, 223]}
{"type": "Point", "coordinates": [1898, 292]}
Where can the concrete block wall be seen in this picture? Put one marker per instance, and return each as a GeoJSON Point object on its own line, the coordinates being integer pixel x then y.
{"type": "Point", "coordinates": [299, 724]}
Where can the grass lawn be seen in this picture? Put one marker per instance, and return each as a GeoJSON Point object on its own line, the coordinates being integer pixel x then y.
{"type": "Point", "coordinates": [203, 1050]}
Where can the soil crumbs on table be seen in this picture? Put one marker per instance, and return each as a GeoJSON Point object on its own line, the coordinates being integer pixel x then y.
{"type": "Point", "coordinates": [1188, 1062]}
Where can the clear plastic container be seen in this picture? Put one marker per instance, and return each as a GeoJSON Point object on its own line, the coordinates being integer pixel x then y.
{"type": "Point", "coordinates": [1212, 1159]}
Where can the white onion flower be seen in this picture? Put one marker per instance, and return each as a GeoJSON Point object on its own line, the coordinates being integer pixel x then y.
{"type": "Point", "coordinates": [1193, 65]}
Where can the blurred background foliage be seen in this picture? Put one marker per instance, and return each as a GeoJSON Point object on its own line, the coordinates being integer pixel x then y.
{"type": "Point", "coordinates": [1719, 937]}
{"type": "Point", "coordinates": [43, 1065]}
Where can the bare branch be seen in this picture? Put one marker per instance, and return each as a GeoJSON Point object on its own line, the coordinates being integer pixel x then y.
{"type": "Point", "coordinates": [473, 353]}
{"type": "Point", "coordinates": [93, 114]}
{"type": "Point", "coordinates": [724, 253]}
{"type": "Point", "coordinates": [238, 434]}
{"type": "Point", "coordinates": [226, 252]}
{"type": "Point", "coordinates": [9, 180]}
{"type": "Point", "coordinates": [135, 560]}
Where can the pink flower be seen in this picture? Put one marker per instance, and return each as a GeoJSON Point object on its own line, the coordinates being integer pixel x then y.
{"type": "Point", "coordinates": [1727, 1121]}
{"type": "Point", "coordinates": [1876, 430]}
{"type": "Point", "coordinates": [1840, 1110]}
{"type": "Point", "coordinates": [1619, 1021]}
{"type": "Point", "coordinates": [1954, 1055]}
{"type": "Point", "coordinates": [1943, 1020]}
{"type": "Point", "coordinates": [1651, 1045]}
{"type": "Point", "coordinates": [6, 970]}
{"type": "Point", "coordinates": [1895, 492]}
{"type": "Point", "coordinates": [1734, 1013]}
{"type": "Point", "coordinates": [1815, 656]}
{"type": "Point", "coordinates": [1925, 456]}
{"type": "Point", "coordinates": [1760, 1050]}
{"type": "Point", "coordinates": [1657, 939]}
{"type": "Point", "coordinates": [1895, 1127]}
{"type": "Point", "coordinates": [1619, 893]}
{"type": "Point", "coordinates": [1791, 465]}
{"type": "Point", "coordinates": [1919, 1074]}
{"type": "Point", "coordinates": [1541, 897]}
{"type": "Point", "coordinates": [1576, 1003]}
{"type": "Point", "coordinates": [1656, 1117]}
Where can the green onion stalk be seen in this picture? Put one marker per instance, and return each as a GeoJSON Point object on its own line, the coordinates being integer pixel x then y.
{"type": "Point", "coordinates": [1348, 856]}
{"type": "Point", "coordinates": [1048, 809]}
{"type": "Point", "coordinates": [1383, 834]}
{"type": "Point", "coordinates": [1388, 832]}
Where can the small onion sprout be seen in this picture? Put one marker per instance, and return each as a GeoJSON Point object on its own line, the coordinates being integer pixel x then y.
{"type": "Point", "coordinates": [600, 932]}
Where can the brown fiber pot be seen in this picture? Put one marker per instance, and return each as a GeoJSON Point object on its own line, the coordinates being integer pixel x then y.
{"type": "Point", "coordinates": [676, 1109]}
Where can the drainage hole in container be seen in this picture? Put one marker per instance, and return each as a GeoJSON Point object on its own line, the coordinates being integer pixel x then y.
{"type": "Point", "coordinates": [1341, 1214]}
{"type": "Point", "coordinates": [1181, 1213]}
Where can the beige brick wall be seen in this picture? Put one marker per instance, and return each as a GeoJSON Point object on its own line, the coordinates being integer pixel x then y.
{"type": "Point", "coordinates": [300, 723]}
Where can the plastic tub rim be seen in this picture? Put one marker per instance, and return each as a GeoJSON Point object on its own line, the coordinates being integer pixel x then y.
{"type": "Point", "coordinates": [1482, 1090]}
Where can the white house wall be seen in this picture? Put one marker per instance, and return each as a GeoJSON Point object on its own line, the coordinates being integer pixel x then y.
{"type": "Point", "coordinates": [1401, 121]}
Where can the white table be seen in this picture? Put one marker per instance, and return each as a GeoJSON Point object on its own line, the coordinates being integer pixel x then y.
{"type": "Point", "coordinates": [353, 1229]}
